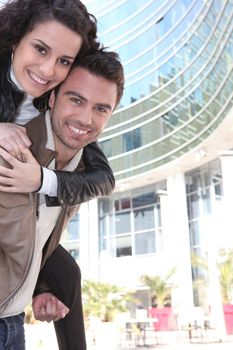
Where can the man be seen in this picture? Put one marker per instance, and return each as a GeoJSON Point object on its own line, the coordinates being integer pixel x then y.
{"type": "Point", "coordinates": [29, 230]}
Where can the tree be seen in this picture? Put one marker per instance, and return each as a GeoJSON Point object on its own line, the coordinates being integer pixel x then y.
{"type": "Point", "coordinates": [226, 275]}
{"type": "Point", "coordinates": [160, 288]}
{"type": "Point", "coordinates": [225, 266]}
{"type": "Point", "coordinates": [104, 300]}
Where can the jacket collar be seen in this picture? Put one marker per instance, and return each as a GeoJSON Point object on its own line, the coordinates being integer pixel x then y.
{"type": "Point", "coordinates": [36, 130]}
{"type": "Point", "coordinates": [10, 95]}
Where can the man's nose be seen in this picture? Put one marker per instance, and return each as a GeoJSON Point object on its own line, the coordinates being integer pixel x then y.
{"type": "Point", "coordinates": [86, 116]}
{"type": "Point", "coordinates": [47, 69]}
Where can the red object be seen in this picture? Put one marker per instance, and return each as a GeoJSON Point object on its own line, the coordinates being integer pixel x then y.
{"type": "Point", "coordinates": [166, 318]}
{"type": "Point", "coordinates": [228, 315]}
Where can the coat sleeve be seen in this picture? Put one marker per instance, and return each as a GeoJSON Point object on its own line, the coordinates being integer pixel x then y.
{"type": "Point", "coordinates": [77, 187]}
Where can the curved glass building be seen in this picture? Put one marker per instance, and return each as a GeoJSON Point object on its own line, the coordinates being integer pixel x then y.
{"type": "Point", "coordinates": [169, 144]}
{"type": "Point", "coordinates": [177, 57]}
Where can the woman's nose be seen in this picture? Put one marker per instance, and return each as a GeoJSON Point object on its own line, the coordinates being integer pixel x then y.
{"type": "Point", "coordinates": [47, 69]}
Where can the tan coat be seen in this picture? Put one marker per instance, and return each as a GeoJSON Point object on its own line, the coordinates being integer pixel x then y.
{"type": "Point", "coordinates": [18, 214]}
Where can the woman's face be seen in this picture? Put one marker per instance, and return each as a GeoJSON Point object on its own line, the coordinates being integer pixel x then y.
{"type": "Point", "coordinates": [43, 57]}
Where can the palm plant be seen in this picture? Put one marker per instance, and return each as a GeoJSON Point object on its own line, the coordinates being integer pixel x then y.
{"type": "Point", "coordinates": [226, 275]}
{"type": "Point", "coordinates": [104, 300]}
{"type": "Point", "coordinates": [160, 288]}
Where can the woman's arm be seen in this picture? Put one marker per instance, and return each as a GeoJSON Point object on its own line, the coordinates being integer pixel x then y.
{"type": "Point", "coordinates": [11, 136]}
{"type": "Point", "coordinates": [73, 187]}
{"type": "Point", "coordinates": [96, 180]}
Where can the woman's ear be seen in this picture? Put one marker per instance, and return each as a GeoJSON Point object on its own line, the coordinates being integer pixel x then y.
{"type": "Point", "coordinates": [14, 47]}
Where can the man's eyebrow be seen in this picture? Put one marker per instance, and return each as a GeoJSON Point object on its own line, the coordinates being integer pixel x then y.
{"type": "Point", "coordinates": [76, 94]}
{"type": "Point", "coordinates": [105, 105]}
{"type": "Point", "coordinates": [49, 48]}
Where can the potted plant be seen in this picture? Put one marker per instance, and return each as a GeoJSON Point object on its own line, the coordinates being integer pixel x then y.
{"type": "Point", "coordinates": [104, 301]}
{"type": "Point", "coordinates": [160, 294]}
{"type": "Point", "coordinates": [226, 283]}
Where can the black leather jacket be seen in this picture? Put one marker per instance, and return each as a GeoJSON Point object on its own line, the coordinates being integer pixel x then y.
{"type": "Point", "coordinates": [73, 187]}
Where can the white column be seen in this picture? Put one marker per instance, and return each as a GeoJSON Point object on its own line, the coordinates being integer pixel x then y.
{"type": "Point", "coordinates": [89, 240]}
{"type": "Point", "coordinates": [176, 244]}
{"type": "Point", "coordinates": [227, 183]}
{"type": "Point", "coordinates": [215, 299]}
{"type": "Point", "coordinates": [220, 237]}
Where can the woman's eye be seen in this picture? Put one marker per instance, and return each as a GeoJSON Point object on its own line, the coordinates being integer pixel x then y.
{"type": "Point", "coordinates": [64, 62]}
{"type": "Point", "coordinates": [40, 49]}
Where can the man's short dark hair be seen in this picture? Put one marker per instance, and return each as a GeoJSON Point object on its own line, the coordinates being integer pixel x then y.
{"type": "Point", "coordinates": [104, 64]}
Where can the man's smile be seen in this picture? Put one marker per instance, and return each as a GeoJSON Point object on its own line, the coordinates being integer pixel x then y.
{"type": "Point", "coordinates": [77, 130]}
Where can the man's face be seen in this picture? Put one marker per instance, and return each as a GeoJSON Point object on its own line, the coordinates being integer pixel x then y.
{"type": "Point", "coordinates": [81, 110]}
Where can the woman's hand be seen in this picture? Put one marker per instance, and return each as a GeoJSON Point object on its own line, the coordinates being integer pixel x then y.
{"type": "Point", "coordinates": [11, 136]}
{"type": "Point", "coordinates": [22, 176]}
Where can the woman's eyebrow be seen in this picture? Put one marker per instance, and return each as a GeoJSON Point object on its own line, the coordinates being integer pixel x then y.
{"type": "Point", "coordinates": [43, 43]}
{"type": "Point", "coordinates": [49, 48]}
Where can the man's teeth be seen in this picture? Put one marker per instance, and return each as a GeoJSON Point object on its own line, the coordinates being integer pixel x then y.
{"type": "Point", "coordinates": [78, 131]}
{"type": "Point", "coordinates": [37, 79]}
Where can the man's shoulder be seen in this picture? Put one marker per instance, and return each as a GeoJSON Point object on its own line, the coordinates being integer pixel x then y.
{"type": "Point", "coordinates": [36, 125]}
{"type": "Point", "coordinates": [36, 130]}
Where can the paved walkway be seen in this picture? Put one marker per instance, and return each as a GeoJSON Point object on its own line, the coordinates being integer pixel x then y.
{"type": "Point", "coordinates": [42, 337]}
{"type": "Point", "coordinates": [171, 341]}
{"type": "Point", "coordinates": [226, 345]}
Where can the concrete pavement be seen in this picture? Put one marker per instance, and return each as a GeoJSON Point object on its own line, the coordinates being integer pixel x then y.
{"type": "Point", "coordinates": [226, 345]}
{"type": "Point", "coordinates": [42, 337]}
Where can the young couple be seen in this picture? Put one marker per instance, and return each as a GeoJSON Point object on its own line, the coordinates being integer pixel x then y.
{"type": "Point", "coordinates": [40, 43]}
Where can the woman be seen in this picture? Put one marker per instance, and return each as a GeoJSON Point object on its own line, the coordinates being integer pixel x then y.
{"type": "Point", "coordinates": [39, 40]}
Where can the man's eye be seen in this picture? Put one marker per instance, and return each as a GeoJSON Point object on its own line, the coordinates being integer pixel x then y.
{"type": "Point", "coordinates": [101, 109]}
{"type": "Point", "coordinates": [77, 101]}
{"type": "Point", "coordinates": [40, 49]}
{"type": "Point", "coordinates": [65, 62]}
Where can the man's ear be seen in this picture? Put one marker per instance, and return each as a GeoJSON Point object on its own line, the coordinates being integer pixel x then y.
{"type": "Point", "coordinates": [52, 99]}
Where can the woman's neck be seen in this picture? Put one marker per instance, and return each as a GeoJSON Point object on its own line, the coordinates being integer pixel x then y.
{"type": "Point", "coordinates": [14, 79]}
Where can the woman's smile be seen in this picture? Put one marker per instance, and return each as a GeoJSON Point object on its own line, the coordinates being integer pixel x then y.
{"type": "Point", "coordinates": [43, 57]}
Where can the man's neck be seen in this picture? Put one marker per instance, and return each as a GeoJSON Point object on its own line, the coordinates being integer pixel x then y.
{"type": "Point", "coordinates": [63, 159]}
{"type": "Point", "coordinates": [66, 157]}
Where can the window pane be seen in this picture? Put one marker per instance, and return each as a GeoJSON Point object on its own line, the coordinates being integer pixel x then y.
{"type": "Point", "coordinates": [145, 243]}
{"type": "Point", "coordinates": [143, 218]}
{"type": "Point", "coordinates": [194, 233]}
{"type": "Point", "coordinates": [123, 246]}
{"type": "Point", "coordinates": [73, 248]}
{"type": "Point", "coordinates": [132, 140]}
{"type": "Point", "coordinates": [103, 226]}
{"type": "Point", "coordinates": [206, 200]}
{"type": "Point", "coordinates": [122, 222]}
{"type": "Point", "coordinates": [73, 228]}
{"type": "Point", "coordinates": [125, 203]}
{"type": "Point", "coordinates": [144, 199]}
{"type": "Point", "coordinates": [194, 205]}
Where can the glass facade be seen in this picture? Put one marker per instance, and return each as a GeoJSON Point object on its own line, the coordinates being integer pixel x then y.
{"type": "Point", "coordinates": [177, 57]}
{"type": "Point", "coordinates": [204, 195]}
{"type": "Point", "coordinates": [71, 237]}
{"type": "Point", "coordinates": [130, 223]}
